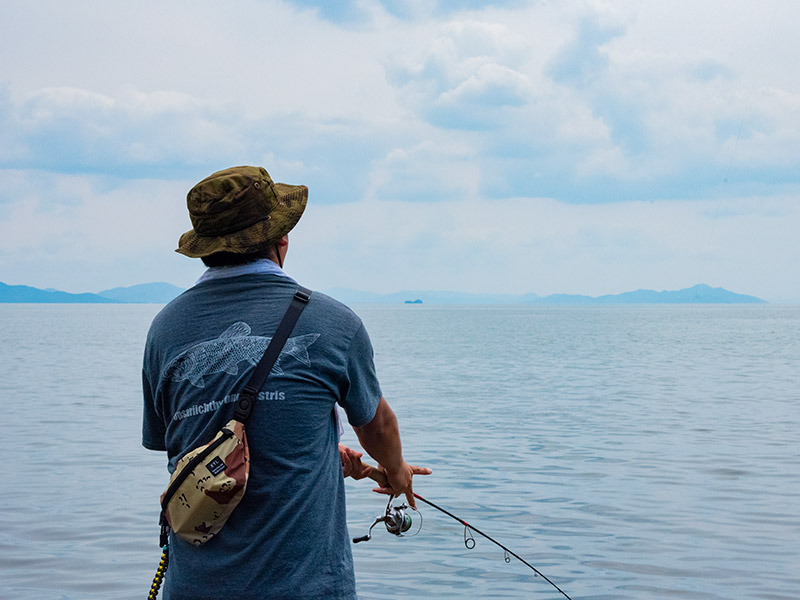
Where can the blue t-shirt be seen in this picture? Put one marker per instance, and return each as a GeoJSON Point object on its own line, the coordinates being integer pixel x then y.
{"type": "Point", "coordinates": [288, 537]}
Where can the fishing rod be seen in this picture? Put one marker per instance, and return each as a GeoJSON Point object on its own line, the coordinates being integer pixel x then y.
{"type": "Point", "coordinates": [398, 522]}
{"type": "Point", "coordinates": [469, 542]}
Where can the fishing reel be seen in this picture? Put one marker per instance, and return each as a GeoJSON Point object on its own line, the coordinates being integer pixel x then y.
{"type": "Point", "coordinates": [397, 521]}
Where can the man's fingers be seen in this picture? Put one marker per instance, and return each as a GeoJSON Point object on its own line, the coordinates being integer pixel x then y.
{"type": "Point", "coordinates": [347, 465]}
{"type": "Point", "coordinates": [361, 471]}
{"type": "Point", "coordinates": [379, 477]}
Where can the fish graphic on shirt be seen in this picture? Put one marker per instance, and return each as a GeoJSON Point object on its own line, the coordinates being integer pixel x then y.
{"type": "Point", "coordinates": [233, 346]}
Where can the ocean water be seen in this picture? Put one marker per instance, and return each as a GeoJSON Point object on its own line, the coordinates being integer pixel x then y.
{"type": "Point", "coordinates": [626, 452]}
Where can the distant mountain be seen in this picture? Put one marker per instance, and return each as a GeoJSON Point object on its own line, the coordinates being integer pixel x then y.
{"type": "Point", "coordinates": [428, 297]}
{"type": "Point", "coordinates": [161, 293]}
{"type": "Point", "coordinates": [144, 293]}
{"type": "Point", "coordinates": [24, 293]}
{"type": "Point", "coordinates": [699, 294]}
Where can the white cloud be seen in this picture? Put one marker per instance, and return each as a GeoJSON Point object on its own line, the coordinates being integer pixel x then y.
{"type": "Point", "coordinates": [79, 234]}
{"type": "Point", "coordinates": [433, 170]}
{"type": "Point", "coordinates": [653, 112]}
{"type": "Point", "coordinates": [465, 72]}
{"type": "Point", "coordinates": [265, 56]}
{"type": "Point", "coordinates": [627, 113]}
{"type": "Point", "coordinates": [476, 107]}
{"type": "Point", "coordinates": [69, 129]}
{"type": "Point", "coordinates": [491, 86]}
{"type": "Point", "coordinates": [541, 245]}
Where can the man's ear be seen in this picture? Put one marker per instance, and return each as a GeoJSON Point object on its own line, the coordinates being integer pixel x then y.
{"type": "Point", "coordinates": [284, 241]}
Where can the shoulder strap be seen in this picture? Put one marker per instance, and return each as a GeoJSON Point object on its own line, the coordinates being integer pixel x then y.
{"type": "Point", "coordinates": [248, 393]}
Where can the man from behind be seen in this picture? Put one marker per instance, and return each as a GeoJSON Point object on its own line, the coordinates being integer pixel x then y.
{"type": "Point", "coordinates": [287, 539]}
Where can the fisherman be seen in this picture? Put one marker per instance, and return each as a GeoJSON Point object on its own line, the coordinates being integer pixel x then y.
{"type": "Point", "coordinates": [288, 537]}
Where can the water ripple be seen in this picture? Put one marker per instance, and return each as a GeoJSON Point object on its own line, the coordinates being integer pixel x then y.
{"type": "Point", "coordinates": [628, 453]}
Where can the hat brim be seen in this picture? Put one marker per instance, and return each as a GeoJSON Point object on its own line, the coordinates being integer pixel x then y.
{"type": "Point", "coordinates": [289, 206]}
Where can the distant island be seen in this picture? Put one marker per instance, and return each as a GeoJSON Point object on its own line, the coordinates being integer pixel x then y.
{"type": "Point", "coordinates": [161, 293]}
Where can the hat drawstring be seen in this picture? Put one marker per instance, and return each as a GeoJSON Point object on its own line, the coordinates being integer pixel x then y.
{"type": "Point", "coordinates": [278, 255]}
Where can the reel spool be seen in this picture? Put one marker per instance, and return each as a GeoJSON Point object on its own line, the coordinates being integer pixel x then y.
{"type": "Point", "coordinates": [396, 520]}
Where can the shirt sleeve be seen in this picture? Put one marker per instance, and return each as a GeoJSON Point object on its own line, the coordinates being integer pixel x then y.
{"type": "Point", "coordinates": [362, 391]}
{"type": "Point", "coordinates": [153, 428]}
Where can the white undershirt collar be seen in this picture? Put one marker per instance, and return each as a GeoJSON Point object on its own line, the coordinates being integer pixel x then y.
{"type": "Point", "coordinates": [262, 266]}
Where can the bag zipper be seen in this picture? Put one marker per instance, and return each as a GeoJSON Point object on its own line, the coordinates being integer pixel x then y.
{"type": "Point", "coordinates": [190, 466]}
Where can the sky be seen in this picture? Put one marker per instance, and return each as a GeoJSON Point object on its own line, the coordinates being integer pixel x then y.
{"type": "Point", "coordinates": [586, 147]}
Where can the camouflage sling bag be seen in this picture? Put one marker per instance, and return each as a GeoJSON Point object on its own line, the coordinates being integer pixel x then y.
{"type": "Point", "coordinates": [209, 481]}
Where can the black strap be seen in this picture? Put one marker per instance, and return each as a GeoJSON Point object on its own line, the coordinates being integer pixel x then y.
{"type": "Point", "coordinates": [247, 395]}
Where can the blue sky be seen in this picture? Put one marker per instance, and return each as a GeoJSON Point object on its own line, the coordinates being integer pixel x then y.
{"type": "Point", "coordinates": [579, 147]}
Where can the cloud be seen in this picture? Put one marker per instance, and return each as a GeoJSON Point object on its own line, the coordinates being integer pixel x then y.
{"type": "Point", "coordinates": [466, 77]}
{"type": "Point", "coordinates": [350, 12]}
{"type": "Point", "coordinates": [469, 105]}
{"type": "Point", "coordinates": [87, 233]}
{"type": "Point", "coordinates": [433, 171]}
{"type": "Point", "coordinates": [555, 113]}
{"type": "Point", "coordinates": [554, 103]}
{"type": "Point", "coordinates": [73, 130]}
{"type": "Point", "coordinates": [171, 135]}
{"type": "Point", "coordinates": [590, 120]}
{"type": "Point", "coordinates": [584, 60]}
{"type": "Point", "coordinates": [541, 245]}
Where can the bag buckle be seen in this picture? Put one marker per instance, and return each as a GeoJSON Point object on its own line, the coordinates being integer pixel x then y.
{"type": "Point", "coordinates": [244, 404]}
{"type": "Point", "coordinates": [164, 537]}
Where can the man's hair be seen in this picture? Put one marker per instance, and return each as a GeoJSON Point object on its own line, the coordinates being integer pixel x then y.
{"type": "Point", "coordinates": [231, 259]}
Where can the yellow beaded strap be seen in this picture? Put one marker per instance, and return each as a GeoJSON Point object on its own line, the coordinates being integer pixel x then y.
{"type": "Point", "coordinates": [162, 568]}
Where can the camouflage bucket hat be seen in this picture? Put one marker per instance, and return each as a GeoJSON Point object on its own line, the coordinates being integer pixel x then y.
{"type": "Point", "coordinates": [240, 210]}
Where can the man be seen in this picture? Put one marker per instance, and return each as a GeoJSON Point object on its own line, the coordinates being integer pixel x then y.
{"type": "Point", "coordinates": [287, 539]}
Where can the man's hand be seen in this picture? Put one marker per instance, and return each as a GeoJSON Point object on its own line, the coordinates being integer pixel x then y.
{"type": "Point", "coordinates": [352, 465]}
{"type": "Point", "coordinates": [398, 482]}
{"type": "Point", "coordinates": [381, 438]}
{"type": "Point", "coordinates": [394, 484]}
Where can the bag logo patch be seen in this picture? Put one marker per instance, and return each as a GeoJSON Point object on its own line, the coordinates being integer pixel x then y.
{"type": "Point", "coordinates": [216, 466]}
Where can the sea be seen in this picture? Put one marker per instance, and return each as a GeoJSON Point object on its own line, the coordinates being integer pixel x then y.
{"type": "Point", "coordinates": [631, 452]}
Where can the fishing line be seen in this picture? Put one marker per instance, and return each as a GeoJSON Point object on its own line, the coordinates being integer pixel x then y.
{"type": "Point", "coordinates": [508, 552]}
{"type": "Point", "coordinates": [745, 117]}
{"type": "Point", "coordinates": [398, 522]}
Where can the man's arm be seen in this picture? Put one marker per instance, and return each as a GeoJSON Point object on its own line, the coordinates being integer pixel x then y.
{"type": "Point", "coordinates": [381, 439]}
